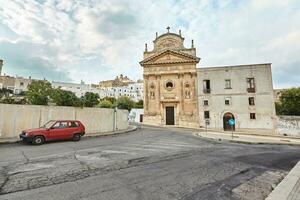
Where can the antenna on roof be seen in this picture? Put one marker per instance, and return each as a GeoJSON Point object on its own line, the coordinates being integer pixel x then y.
{"type": "Point", "coordinates": [156, 35]}
{"type": "Point", "coordinates": [146, 47]}
{"type": "Point", "coordinates": [192, 43]}
{"type": "Point", "coordinates": [179, 32]}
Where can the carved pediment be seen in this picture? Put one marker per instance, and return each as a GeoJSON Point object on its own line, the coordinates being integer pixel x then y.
{"type": "Point", "coordinates": [170, 56]}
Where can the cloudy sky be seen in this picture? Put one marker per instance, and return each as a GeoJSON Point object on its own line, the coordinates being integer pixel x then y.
{"type": "Point", "coordinates": [93, 40]}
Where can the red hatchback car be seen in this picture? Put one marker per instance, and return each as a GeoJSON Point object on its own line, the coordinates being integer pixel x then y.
{"type": "Point", "coordinates": [54, 130]}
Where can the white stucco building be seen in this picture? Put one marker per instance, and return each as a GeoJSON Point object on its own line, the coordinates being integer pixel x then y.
{"type": "Point", "coordinates": [16, 84]}
{"type": "Point", "coordinates": [79, 89]}
{"type": "Point", "coordinates": [243, 92]}
{"type": "Point", "coordinates": [133, 90]}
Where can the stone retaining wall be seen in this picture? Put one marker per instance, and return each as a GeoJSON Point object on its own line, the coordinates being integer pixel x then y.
{"type": "Point", "coordinates": [15, 118]}
{"type": "Point", "coordinates": [288, 125]}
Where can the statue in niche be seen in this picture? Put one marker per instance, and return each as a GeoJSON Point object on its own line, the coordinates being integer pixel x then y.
{"type": "Point", "coordinates": [152, 95]}
{"type": "Point", "coordinates": [187, 94]}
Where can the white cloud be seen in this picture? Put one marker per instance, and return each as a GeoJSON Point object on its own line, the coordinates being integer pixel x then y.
{"type": "Point", "coordinates": [95, 40]}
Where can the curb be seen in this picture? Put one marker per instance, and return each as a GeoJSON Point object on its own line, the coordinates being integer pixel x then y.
{"type": "Point", "coordinates": [247, 134]}
{"type": "Point", "coordinates": [224, 132]}
{"type": "Point", "coordinates": [246, 142]}
{"type": "Point", "coordinates": [129, 129]}
{"type": "Point", "coordinates": [289, 187]}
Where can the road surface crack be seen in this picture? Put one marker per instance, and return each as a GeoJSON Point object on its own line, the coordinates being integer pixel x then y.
{"type": "Point", "coordinates": [3, 177]}
{"type": "Point", "coordinates": [26, 158]}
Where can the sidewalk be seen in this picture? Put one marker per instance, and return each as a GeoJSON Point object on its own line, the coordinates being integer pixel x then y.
{"type": "Point", "coordinates": [289, 187]}
{"type": "Point", "coordinates": [238, 137]}
{"type": "Point", "coordinates": [249, 138]}
{"type": "Point", "coordinates": [129, 129]}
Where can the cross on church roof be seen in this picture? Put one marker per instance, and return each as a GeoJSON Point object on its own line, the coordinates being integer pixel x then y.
{"type": "Point", "coordinates": [168, 28]}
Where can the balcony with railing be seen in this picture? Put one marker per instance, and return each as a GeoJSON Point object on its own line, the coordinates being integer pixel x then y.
{"type": "Point", "coordinates": [251, 90]}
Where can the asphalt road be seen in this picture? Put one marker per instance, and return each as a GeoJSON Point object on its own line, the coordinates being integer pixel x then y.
{"type": "Point", "coordinates": [150, 163]}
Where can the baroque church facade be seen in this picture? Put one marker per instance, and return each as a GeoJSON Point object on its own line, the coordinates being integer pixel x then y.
{"type": "Point", "coordinates": [170, 82]}
{"type": "Point", "coordinates": [177, 93]}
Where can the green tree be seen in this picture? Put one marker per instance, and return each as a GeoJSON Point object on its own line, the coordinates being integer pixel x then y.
{"type": "Point", "coordinates": [111, 99]}
{"type": "Point", "coordinates": [38, 92]}
{"type": "Point", "coordinates": [5, 92]}
{"type": "Point", "coordinates": [105, 104]}
{"type": "Point", "coordinates": [64, 98]}
{"type": "Point", "coordinates": [139, 104]}
{"type": "Point", "coordinates": [124, 103]}
{"type": "Point", "coordinates": [90, 99]}
{"type": "Point", "coordinates": [289, 102]}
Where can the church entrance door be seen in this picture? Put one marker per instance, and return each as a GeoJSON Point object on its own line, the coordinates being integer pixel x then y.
{"type": "Point", "coordinates": [170, 118]}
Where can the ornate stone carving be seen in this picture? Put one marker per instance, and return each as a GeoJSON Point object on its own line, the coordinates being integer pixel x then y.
{"type": "Point", "coordinates": [169, 85]}
{"type": "Point", "coordinates": [171, 64]}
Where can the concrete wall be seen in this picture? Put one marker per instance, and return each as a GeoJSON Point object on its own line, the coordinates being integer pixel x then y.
{"type": "Point", "coordinates": [238, 95]}
{"type": "Point", "coordinates": [288, 125]}
{"type": "Point", "coordinates": [15, 118]}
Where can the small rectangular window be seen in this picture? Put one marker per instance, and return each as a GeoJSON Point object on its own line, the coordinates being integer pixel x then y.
{"type": "Point", "coordinates": [227, 84]}
{"type": "Point", "coordinates": [205, 102]}
{"type": "Point", "coordinates": [251, 101]}
{"type": "Point", "coordinates": [250, 85]}
{"type": "Point", "coordinates": [206, 86]}
{"type": "Point", "coordinates": [206, 114]}
{"type": "Point", "coordinates": [227, 102]}
{"type": "Point", "coordinates": [252, 116]}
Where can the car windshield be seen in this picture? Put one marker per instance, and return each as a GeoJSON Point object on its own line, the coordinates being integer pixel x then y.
{"type": "Point", "coordinates": [48, 124]}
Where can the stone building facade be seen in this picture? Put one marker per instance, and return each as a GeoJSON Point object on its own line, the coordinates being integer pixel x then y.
{"type": "Point", "coordinates": [1, 65]}
{"type": "Point", "coordinates": [176, 93]}
{"type": "Point", "coordinates": [119, 81]}
{"type": "Point", "coordinates": [170, 82]}
{"type": "Point", "coordinates": [243, 93]}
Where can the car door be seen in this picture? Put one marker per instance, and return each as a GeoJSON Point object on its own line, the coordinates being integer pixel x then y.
{"type": "Point", "coordinates": [73, 128]}
{"type": "Point", "coordinates": [58, 130]}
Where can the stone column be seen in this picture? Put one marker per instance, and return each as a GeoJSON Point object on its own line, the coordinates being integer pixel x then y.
{"type": "Point", "coordinates": [146, 96]}
{"type": "Point", "coordinates": [158, 93]}
{"type": "Point", "coordinates": [181, 107]}
{"type": "Point", "coordinates": [195, 92]}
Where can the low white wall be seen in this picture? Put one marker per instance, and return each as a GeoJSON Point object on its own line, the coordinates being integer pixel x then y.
{"type": "Point", "coordinates": [134, 115]}
{"type": "Point", "coordinates": [288, 125]}
{"type": "Point", "coordinates": [15, 118]}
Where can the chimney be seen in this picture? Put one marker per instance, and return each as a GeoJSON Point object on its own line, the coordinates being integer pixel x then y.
{"type": "Point", "coordinates": [180, 33]}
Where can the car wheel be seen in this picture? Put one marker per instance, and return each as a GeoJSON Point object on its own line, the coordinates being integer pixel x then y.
{"type": "Point", "coordinates": [38, 140]}
{"type": "Point", "coordinates": [76, 137]}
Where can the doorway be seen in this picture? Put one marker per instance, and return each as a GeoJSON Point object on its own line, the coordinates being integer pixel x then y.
{"type": "Point", "coordinates": [170, 118]}
{"type": "Point", "coordinates": [226, 118]}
